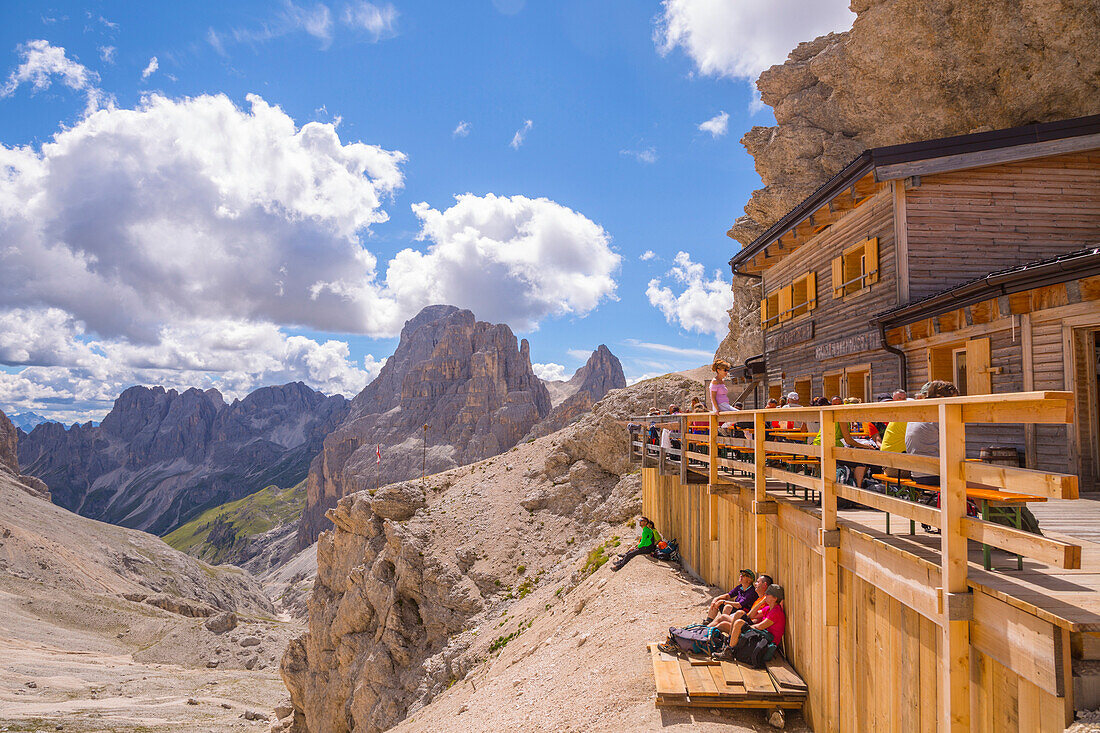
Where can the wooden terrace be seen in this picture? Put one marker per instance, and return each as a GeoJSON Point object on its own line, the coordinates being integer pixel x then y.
{"type": "Point", "coordinates": [984, 639]}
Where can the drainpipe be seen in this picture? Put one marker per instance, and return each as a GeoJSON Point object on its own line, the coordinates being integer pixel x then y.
{"type": "Point", "coordinates": [737, 273]}
{"type": "Point", "coordinates": [896, 352]}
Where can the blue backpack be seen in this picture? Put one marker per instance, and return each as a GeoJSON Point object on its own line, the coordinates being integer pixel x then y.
{"type": "Point", "coordinates": [697, 639]}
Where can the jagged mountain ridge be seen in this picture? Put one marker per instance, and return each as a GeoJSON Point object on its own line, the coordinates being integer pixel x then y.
{"type": "Point", "coordinates": [161, 457]}
{"type": "Point", "coordinates": [468, 381]}
{"type": "Point", "coordinates": [599, 375]}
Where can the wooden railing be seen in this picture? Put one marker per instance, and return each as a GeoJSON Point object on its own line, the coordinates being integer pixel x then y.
{"type": "Point", "coordinates": [732, 464]}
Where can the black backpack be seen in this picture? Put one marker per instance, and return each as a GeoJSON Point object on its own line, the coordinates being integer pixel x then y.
{"type": "Point", "coordinates": [754, 650]}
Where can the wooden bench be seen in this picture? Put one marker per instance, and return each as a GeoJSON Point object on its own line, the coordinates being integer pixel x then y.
{"type": "Point", "coordinates": [990, 500]}
{"type": "Point", "coordinates": [702, 682]}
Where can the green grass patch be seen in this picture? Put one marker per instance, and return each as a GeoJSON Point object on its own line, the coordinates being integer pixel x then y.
{"type": "Point", "coordinates": [213, 535]}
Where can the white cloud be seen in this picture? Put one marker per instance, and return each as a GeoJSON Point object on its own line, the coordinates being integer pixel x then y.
{"type": "Point", "coordinates": [646, 155]}
{"type": "Point", "coordinates": [72, 378]}
{"type": "Point", "coordinates": [634, 379]}
{"type": "Point", "coordinates": [701, 306]}
{"type": "Point", "coordinates": [179, 242]}
{"type": "Point", "coordinates": [550, 372]}
{"type": "Point", "coordinates": [717, 125]}
{"type": "Point", "coordinates": [107, 54]}
{"type": "Point", "coordinates": [151, 68]}
{"type": "Point", "coordinates": [315, 20]}
{"type": "Point", "coordinates": [462, 130]}
{"type": "Point", "coordinates": [521, 135]}
{"type": "Point", "coordinates": [740, 39]}
{"type": "Point", "coordinates": [667, 349]}
{"type": "Point", "coordinates": [41, 62]}
{"type": "Point", "coordinates": [195, 208]}
{"type": "Point", "coordinates": [579, 354]}
{"type": "Point", "coordinates": [378, 20]}
{"type": "Point", "coordinates": [513, 259]}
{"type": "Point", "coordinates": [647, 255]}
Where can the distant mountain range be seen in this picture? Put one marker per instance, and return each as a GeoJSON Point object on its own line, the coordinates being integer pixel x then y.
{"type": "Point", "coordinates": [456, 390]}
{"type": "Point", "coordinates": [161, 457]}
{"type": "Point", "coordinates": [26, 421]}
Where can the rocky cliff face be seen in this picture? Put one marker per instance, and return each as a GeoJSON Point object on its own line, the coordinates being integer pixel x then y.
{"type": "Point", "coordinates": [599, 375]}
{"type": "Point", "coordinates": [161, 456]}
{"type": "Point", "coordinates": [908, 70]}
{"type": "Point", "coordinates": [912, 70]}
{"type": "Point", "coordinates": [9, 461]}
{"type": "Point", "coordinates": [456, 390]}
{"type": "Point", "coordinates": [417, 586]}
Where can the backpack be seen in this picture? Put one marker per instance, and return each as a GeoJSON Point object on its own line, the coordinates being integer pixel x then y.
{"type": "Point", "coordinates": [754, 650]}
{"type": "Point", "coordinates": [697, 639]}
{"type": "Point", "coordinates": [667, 551]}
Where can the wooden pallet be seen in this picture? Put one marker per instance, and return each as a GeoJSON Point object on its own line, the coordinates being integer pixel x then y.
{"type": "Point", "coordinates": [694, 681]}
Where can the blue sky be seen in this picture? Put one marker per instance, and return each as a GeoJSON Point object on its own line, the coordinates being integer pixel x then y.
{"type": "Point", "coordinates": [614, 92]}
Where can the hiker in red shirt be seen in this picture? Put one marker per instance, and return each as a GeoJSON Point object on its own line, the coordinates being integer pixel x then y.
{"type": "Point", "coordinates": [773, 619]}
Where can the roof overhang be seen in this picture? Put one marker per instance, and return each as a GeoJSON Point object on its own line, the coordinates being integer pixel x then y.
{"type": "Point", "coordinates": [1073, 266]}
{"type": "Point", "coordinates": [869, 171]}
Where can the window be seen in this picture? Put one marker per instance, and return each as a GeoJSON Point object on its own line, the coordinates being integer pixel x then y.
{"type": "Point", "coordinates": [798, 298]}
{"type": "Point", "coordinates": [769, 311]}
{"type": "Point", "coordinates": [775, 391]}
{"type": "Point", "coordinates": [831, 385]}
{"type": "Point", "coordinates": [856, 269]}
{"type": "Point", "coordinates": [804, 386]}
{"type": "Point", "coordinates": [966, 364]}
{"type": "Point", "coordinates": [857, 382]}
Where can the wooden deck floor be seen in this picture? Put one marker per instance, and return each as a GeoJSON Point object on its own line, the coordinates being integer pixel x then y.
{"type": "Point", "coordinates": [1068, 598]}
{"type": "Point", "coordinates": [695, 681]}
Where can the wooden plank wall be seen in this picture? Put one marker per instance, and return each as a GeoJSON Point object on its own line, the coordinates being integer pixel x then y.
{"type": "Point", "coordinates": [833, 319]}
{"type": "Point", "coordinates": [999, 216]}
{"type": "Point", "coordinates": [888, 662]}
{"type": "Point", "coordinates": [1006, 352]}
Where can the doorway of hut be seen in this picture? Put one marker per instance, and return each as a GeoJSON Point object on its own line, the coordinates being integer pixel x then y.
{"type": "Point", "coordinates": [1085, 370]}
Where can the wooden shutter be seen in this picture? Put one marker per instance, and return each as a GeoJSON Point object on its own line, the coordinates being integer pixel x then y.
{"type": "Point", "coordinates": [764, 314]}
{"type": "Point", "coordinates": [940, 365]}
{"type": "Point", "coordinates": [978, 377]}
{"type": "Point", "coordinates": [870, 251]}
{"type": "Point", "coordinates": [811, 290]}
{"type": "Point", "coordinates": [838, 276]}
{"type": "Point", "coordinates": [785, 303]}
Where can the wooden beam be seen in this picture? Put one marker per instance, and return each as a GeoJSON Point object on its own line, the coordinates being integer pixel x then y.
{"type": "Point", "coordinates": [964, 161]}
{"type": "Point", "coordinates": [830, 570]}
{"type": "Point", "coordinates": [901, 240]}
{"type": "Point", "coordinates": [1051, 552]}
{"type": "Point", "coordinates": [910, 580]}
{"type": "Point", "coordinates": [713, 449]}
{"type": "Point", "coordinates": [909, 462]}
{"type": "Point", "coordinates": [1022, 480]}
{"type": "Point", "coordinates": [907, 509]}
{"type": "Point", "coordinates": [1016, 639]}
{"type": "Point", "coordinates": [955, 633]}
{"type": "Point", "coordinates": [760, 493]}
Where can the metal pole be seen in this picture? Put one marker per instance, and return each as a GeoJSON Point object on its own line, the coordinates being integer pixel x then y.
{"type": "Point", "coordinates": [424, 457]}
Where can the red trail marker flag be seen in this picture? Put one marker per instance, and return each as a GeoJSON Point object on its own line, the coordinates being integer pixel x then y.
{"type": "Point", "coordinates": [377, 454]}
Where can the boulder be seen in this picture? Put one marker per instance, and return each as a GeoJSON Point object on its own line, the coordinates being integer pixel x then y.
{"type": "Point", "coordinates": [181, 606]}
{"type": "Point", "coordinates": [222, 622]}
{"type": "Point", "coordinates": [398, 501]}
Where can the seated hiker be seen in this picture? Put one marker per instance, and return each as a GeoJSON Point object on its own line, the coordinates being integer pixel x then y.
{"type": "Point", "coordinates": [763, 581]}
{"type": "Point", "coordinates": [773, 619]}
{"type": "Point", "coordinates": [646, 546]}
{"type": "Point", "coordinates": [740, 598]}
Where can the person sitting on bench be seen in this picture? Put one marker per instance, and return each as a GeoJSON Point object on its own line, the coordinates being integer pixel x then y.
{"type": "Point", "coordinates": [741, 598]}
{"type": "Point", "coordinates": [763, 582]}
{"type": "Point", "coordinates": [773, 619]}
{"type": "Point", "coordinates": [646, 546]}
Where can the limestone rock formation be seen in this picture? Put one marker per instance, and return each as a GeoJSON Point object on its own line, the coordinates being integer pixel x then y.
{"type": "Point", "coordinates": [468, 381]}
{"type": "Point", "coordinates": [9, 441]}
{"type": "Point", "coordinates": [416, 586]}
{"type": "Point", "coordinates": [600, 374]}
{"type": "Point", "coordinates": [160, 456]}
{"type": "Point", "coordinates": [912, 70]}
{"type": "Point", "coordinates": [9, 460]}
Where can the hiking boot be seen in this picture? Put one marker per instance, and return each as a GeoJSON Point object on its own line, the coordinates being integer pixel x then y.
{"type": "Point", "coordinates": [707, 621]}
{"type": "Point", "coordinates": [669, 648]}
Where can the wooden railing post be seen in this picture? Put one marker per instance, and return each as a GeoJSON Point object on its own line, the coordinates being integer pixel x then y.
{"type": "Point", "coordinates": [712, 451]}
{"type": "Point", "coordinates": [760, 494]}
{"type": "Point", "coordinates": [830, 562]}
{"type": "Point", "coordinates": [683, 451]}
{"type": "Point", "coordinates": [956, 600]}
